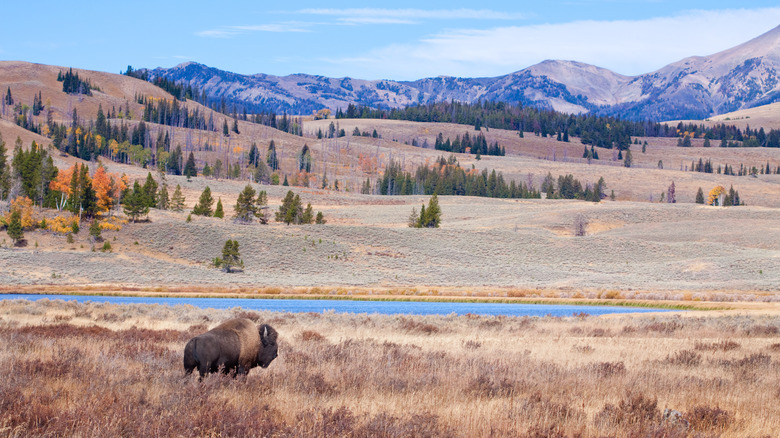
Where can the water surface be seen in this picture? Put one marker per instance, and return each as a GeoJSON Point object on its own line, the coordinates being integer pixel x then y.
{"type": "Point", "coordinates": [353, 306]}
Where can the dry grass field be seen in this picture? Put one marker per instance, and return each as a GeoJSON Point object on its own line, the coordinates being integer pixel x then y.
{"type": "Point", "coordinates": [90, 369]}
{"type": "Point", "coordinates": [484, 247]}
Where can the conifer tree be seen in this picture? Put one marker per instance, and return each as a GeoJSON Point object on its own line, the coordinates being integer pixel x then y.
{"type": "Point", "coordinates": [270, 157]}
{"type": "Point", "coordinates": [261, 205]}
{"type": "Point", "coordinates": [230, 257]}
{"type": "Point", "coordinates": [320, 219]}
{"type": "Point", "coordinates": [304, 159]}
{"type": "Point", "coordinates": [628, 160]}
{"type": "Point", "coordinates": [205, 203]}
{"type": "Point", "coordinates": [700, 196]}
{"type": "Point", "coordinates": [245, 209]}
{"type": "Point", "coordinates": [95, 231]}
{"type": "Point", "coordinates": [414, 218]}
{"type": "Point", "coordinates": [163, 201]}
{"type": "Point", "coordinates": [308, 215]}
{"type": "Point", "coordinates": [290, 212]}
{"type": "Point", "coordinates": [150, 191]}
{"type": "Point", "coordinates": [177, 199]}
{"type": "Point", "coordinates": [14, 229]}
{"type": "Point", "coordinates": [670, 194]}
{"type": "Point", "coordinates": [5, 171]}
{"type": "Point", "coordinates": [189, 168]}
{"type": "Point", "coordinates": [135, 203]}
{"type": "Point", "coordinates": [431, 217]}
{"type": "Point", "coordinates": [219, 212]}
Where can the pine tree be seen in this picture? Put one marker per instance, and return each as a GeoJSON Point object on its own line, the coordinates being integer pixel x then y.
{"type": "Point", "coordinates": [431, 218]}
{"type": "Point", "coordinates": [670, 194]}
{"type": "Point", "coordinates": [308, 215]}
{"type": "Point", "coordinates": [150, 191]}
{"type": "Point", "coordinates": [203, 207]}
{"type": "Point", "coordinates": [225, 131]}
{"type": "Point", "coordinates": [135, 203]}
{"type": "Point", "coordinates": [304, 159]}
{"type": "Point", "coordinates": [270, 157]}
{"type": "Point", "coordinates": [14, 229]}
{"type": "Point", "coordinates": [261, 206]}
{"type": "Point", "coordinates": [230, 256]}
{"type": "Point", "coordinates": [5, 171]}
{"type": "Point", "coordinates": [95, 231]}
{"type": "Point", "coordinates": [177, 199]}
{"type": "Point", "coordinates": [163, 201]}
{"type": "Point", "coordinates": [219, 212]}
{"type": "Point", "coordinates": [414, 218]}
{"type": "Point", "coordinates": [189, 169]}
{"type": "Point", "coordinates": [245, 209]}
{"type": "Point", "coordinates": [290, 212]}
{"type": "Point", "coordinates": [320, 219]}
{"type": "Point", "coordinates": [628, 160]}
{"type": "Point", "coordinates": [700, 196]}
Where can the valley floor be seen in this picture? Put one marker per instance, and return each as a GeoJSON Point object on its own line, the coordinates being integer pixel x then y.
{"type": "Point", "coordinates": [490, 247]}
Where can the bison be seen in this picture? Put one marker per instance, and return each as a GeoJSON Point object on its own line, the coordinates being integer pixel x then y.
{"type": "Point", "coordinates": [236, 346]}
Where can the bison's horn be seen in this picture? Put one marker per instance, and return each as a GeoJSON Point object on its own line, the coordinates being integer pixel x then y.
{"type": "Point", "coordinates": [265, 331]}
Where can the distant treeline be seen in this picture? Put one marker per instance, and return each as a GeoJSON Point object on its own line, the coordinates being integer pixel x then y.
{"type": "Point", "coordinates": [446, 177]}
{"type": "Point", "coordinates": [237, 109]}
{"type": "Point", "coordinates": [602, 131]}
{"type": "Point", "coordinates": [475, 144]}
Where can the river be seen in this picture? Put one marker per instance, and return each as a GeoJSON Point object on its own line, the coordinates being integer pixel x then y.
{"type": "Point", "coordinates": [354, 306]}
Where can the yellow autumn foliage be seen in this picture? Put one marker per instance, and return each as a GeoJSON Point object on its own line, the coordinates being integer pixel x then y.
{"type": "Point", "coordinates": [715, 194]}
{"type": "Point", "coordinates": [24, 206]}
{"type": "Point", "coordinates": [62, 224]}
{"type": "Point", "coordinates": [112, 223]}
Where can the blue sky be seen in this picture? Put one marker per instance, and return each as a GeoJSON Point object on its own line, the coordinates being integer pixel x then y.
{"type": "Point", "coordinates": [402, 40]}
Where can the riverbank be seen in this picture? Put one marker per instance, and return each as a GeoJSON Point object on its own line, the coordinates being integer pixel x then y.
{"type": "Point", "coordinates": [453, 295]}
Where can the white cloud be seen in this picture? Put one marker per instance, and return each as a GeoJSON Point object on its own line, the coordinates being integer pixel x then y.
{"type": "Point", "coordinates": [231, 31]}
{"type": "Point", "coordinates": [627, 47]}
{"type": "Point", "coordinates": [406, 16]}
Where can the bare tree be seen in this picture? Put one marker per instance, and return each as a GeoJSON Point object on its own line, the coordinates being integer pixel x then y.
{"type": "Point", "coordinates": [580, 223]}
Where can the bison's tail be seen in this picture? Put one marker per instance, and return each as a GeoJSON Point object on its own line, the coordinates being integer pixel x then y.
{"type": "Point", "coordinates": [190, 356]}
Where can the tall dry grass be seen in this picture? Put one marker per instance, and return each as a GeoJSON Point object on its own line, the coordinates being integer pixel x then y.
{"type": "Point", "coordinates": [107, 370]}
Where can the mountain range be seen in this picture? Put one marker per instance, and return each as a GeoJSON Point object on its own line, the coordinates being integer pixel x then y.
{"type": "Point", "coordinates": [697, 87]}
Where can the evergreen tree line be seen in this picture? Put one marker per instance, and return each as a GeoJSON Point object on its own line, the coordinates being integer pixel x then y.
{"type": "Point", "coordinates": [706, 166]}
{"type": "Point", "coordinates": [72, 84]}
{"type": "Point", "coordinates": [34, 169]}
{"type": "Point", "coordinates": [446, 177]}
{"type": "Point", "coordinates": [476, 144]}
{"type": "Point", "coordinates": [237, 109]}
{"type": "Point", "coordinates": [602, 131]}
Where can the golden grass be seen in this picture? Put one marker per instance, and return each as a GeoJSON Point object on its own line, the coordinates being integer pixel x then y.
{"type": "Point", "coordinates": [98, 369]}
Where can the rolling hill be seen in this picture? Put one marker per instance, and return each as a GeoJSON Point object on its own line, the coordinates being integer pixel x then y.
{"type": "Point", "coordinates": [655, 249]}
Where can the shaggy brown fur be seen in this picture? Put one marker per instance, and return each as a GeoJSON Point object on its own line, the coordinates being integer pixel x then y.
{"type": "Point", "coordinates": [248, 337]}
{"type": "Point", "coordinates": [236, 346]}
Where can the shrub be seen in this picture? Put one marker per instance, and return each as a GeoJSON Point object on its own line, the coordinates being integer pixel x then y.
{"type": "Point", "coordinates": [705, 418]}
{"type": "Point", "coordinates": [633, 409]}
{"type": "Point", "coordinates": [686, 358]}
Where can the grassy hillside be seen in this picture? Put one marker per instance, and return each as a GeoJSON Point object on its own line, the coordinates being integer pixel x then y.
{"type": "Point", "coordinates": [485, 246]}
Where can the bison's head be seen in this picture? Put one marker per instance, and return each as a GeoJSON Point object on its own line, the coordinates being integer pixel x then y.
{"type": "Point", "coordinates": [269, 351]}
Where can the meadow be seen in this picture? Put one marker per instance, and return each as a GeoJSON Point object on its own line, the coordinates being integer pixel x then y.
{"type": "Point", "coordinates": [106, 370]}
